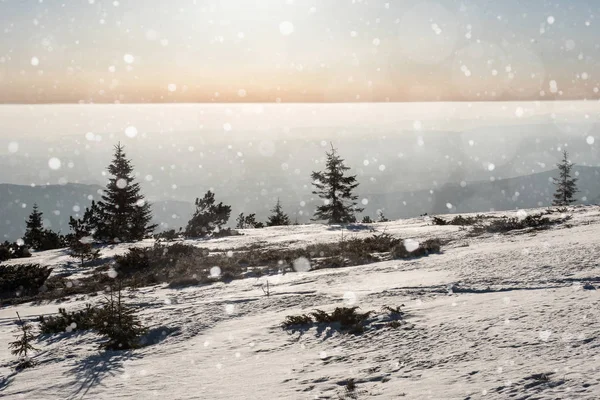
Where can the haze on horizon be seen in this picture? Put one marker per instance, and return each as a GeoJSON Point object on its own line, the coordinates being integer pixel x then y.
{"type": "Point", "coordinates": [135, 51]}
{"type": "Point", "coordinates": [211, 144]}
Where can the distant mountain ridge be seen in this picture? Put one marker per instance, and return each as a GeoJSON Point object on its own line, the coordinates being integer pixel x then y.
{"type": "Point", "coordinates": [528, 191]}
{"type": "Point", "coordinates": [59, 202]}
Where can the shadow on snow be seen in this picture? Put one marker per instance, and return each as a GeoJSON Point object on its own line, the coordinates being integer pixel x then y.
{"type": "Point", "coordinates": [92, 370]}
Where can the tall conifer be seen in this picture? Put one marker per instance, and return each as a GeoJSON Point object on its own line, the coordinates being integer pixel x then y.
{"type": "Point", "coordinates": [336, 189]}
{"type": "Point", "coordinates": [34, 232]}
{"type": "Point", "coordinates": [124, 214]}
{"type": "Point", "coordinates": [565, 184]}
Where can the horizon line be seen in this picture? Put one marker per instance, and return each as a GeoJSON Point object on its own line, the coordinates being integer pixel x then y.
{"type": "Point", "coordinates": [298, 102]}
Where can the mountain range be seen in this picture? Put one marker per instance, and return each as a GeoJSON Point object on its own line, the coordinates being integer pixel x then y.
{"type": "Point", "coordinates": [59, 202]}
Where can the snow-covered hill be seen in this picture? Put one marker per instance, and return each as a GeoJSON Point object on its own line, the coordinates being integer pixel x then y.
{"type": "Point", "coordinates": [495, 317]}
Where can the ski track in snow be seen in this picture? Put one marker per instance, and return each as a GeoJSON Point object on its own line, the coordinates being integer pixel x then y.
{"type": "Point", "coordinates": [495, 317]}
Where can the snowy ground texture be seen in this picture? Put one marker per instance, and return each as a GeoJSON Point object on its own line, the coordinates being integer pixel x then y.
{"type": "Point", "coordinates": [495, 317]}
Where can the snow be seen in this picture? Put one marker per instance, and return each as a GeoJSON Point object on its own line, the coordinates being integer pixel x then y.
{"type": "Point", "coordinates": [121, 183]}
{"type": "Point", "coordinates": [131, 131]}
{"type": "Point", "coordinates": [54, 163]}
{"type": "Point", "coordinates": [495, 316]}
{"type": "Point", "coordinates": [13, 147]}
{"type": "Point", "coordinates": [286, 28]}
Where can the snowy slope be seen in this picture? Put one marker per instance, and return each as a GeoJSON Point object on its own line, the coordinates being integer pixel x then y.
{"type": "Point", "coordinates": [489, 313]}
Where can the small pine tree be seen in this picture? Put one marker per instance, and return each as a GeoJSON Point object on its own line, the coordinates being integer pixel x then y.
{"type": "Point", "coordinates": [251, 222]}
{"type": "Point", "coordinates": [34, 232]}
{"type": "Point", "coordinates": [248, 222]}
{"type": "Point", "coordinates": [278, 218]}
{"type": "Point", "coordinates": [123, 213]}
{"type": "Point", "coordinates": [81, 242]}
{"type": "Point", "coordinates": [52, 240]}
{"type": "Point", "coordinates": [565, 184]}
{"type": "Point", "coordinates": [381, 217]}
{"type": "Point", "coordinates": [208, 217]}
{"type": "Point", "coordinates": [118, 323]}
{"type": "Point", "coordinates": [240, 221]}
{"type": "Point", "coordinates": [88, 223]}
{"type": "Point", "coordinates": [22, 346]}
{"type": "Point", "coordinates": [83, 249]}
{"type": "Point", "coordinates": [367, 220]}
{"type": "Point", "coordinates": [336, 189]}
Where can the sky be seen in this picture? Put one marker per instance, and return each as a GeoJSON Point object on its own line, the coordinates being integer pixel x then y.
{"type": "Point", "coordinates": [152, 51]}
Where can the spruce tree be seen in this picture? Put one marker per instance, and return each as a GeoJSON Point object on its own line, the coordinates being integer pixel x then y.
{"type": "Point", "coordinates": [565, 184]}
{"type": "Point", "coordinates": [278, 218]}
{"type": "Point", "coordinates": [123, 213]}
{"type": "Point", "coordinates": [336, 189]}
{"type": "Point", "coordinates": [34, 232]}
{"type": "Point", "coordinates": [22, 346]}
{"type": "Point", "coordinates": [208, 217]}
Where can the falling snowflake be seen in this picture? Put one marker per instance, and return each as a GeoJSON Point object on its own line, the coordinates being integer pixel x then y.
{"type": "Point", "coordinates": [54, 163]}
{"type": "Point", "coordinates": [128, 58]}
{"type": "Point", "coordinates": [131, 131]}
{"type": "Point", "coordinates": [301, 264]}
{"type": "Point", "coordinates": [13, 147]}
{"type": "Point", "coordinates": [286, 28]}
{"type": "Point", "coordinates": [519, 112]}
